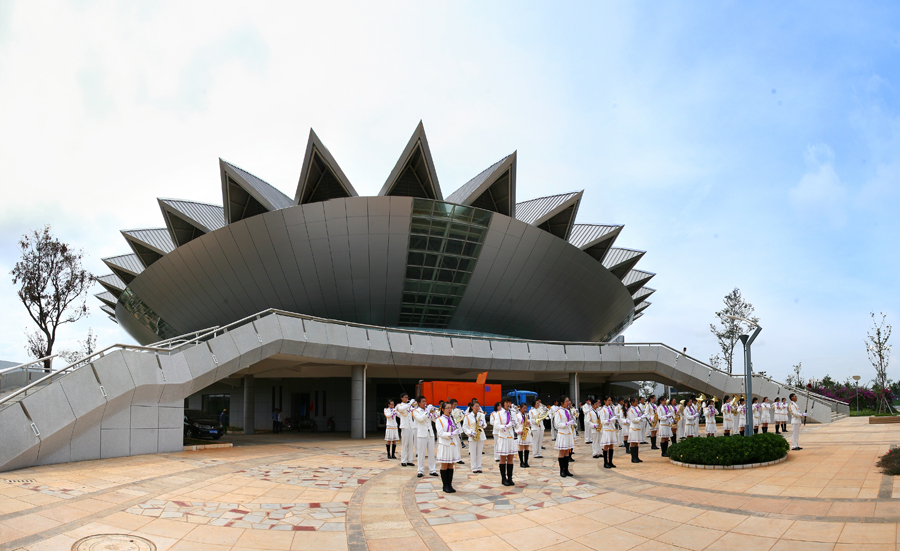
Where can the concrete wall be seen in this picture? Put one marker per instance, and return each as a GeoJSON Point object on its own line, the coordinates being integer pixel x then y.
{"type": "Point", "coordinates": [131, 402]}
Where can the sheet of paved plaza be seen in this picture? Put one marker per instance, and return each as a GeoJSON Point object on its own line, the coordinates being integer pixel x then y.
{"type": "Point", "coordinates": [331, 493]}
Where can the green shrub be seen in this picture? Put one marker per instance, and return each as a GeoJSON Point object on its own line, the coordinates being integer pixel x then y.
{"type": "Point", "coordinates": [730, 450]}
{"type": "Point", "coordinates": [890, 462]}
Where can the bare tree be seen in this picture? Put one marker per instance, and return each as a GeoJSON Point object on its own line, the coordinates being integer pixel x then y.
{"type": "Point", "coordinates": [729, 331]}
{"type": "Point", "coordinates": [52, 286]}
{"type": "Point", "coordinates": [86, 347]}
{"type": "Point", "coordinates": [715, 361]}
{"type": "Point", "coordinates": [796, 379]}
{"type": "Point", "coordinates": [880, 355]}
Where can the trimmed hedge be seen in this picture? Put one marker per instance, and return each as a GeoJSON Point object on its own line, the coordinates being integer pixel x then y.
{"type": "Point", "coordinates": [730, 450]}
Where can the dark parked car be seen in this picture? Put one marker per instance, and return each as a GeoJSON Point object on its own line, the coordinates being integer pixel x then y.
{"type": "Point", "coordinates": [198, 424]}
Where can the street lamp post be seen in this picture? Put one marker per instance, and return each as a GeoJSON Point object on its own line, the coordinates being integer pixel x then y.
{"type": "Point", "coordinates": [747, 340]}
{"type": "Point", "coordinates": [856, 378]}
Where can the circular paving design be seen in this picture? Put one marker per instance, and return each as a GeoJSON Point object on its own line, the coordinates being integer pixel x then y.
{"type": "Point", "coordinates": [113, 542]}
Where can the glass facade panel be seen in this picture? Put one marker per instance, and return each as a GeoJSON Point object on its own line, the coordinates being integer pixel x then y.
{"type": "Point", "coordinates": [443, 248]}
{"type": "Point", "coordinates": [145, 316]}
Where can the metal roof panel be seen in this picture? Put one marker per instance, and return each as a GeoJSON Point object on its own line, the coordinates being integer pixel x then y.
{"type": "Point", "coordinates": [157, 239]}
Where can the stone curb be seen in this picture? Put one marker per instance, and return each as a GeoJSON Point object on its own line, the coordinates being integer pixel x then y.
{"type": "Point", "coordinates": [727, 467]}
{"type": "Point", "coordinates": [207, 447]}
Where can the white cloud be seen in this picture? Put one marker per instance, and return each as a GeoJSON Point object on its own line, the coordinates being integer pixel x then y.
{"type": "Point", "coordinates": [820, 192]}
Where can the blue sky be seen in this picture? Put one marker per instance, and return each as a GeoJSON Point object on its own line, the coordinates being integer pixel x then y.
{"type": "Point", "coordinates": [752, 145]}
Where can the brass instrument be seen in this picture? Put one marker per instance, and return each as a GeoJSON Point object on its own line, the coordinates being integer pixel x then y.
{"type": "Point", "coordinates": [543, 413]}
{"type": "Point", "coordinates": [479, 432]}
{"type": "Point", "coordinates": [525, 429]}
{"type": "Point", "coordinates": [458, 416]}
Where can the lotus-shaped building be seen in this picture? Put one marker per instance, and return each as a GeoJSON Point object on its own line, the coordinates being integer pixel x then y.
{"type": "Point", "coordinates": [473, 262]}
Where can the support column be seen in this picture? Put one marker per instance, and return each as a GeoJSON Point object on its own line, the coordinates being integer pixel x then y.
{"type": "Point", "coordinates": [249, 404]}
{"type": "Point", "coordinates": [574, 390]}
{"type": "Point", "coordinates": [358, 401]}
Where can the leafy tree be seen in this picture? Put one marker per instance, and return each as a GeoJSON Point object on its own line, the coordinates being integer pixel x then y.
{"type": "Point", "coordinates": [716, 361]}
{"type": "Point", "coordinates": [53, 287]}
{"type": "Point", "coordinates": [828, 382]}
{"type": "Point", "coordinates": [879, 351]}
{"type": "Point", "coordinates": [728, 332]}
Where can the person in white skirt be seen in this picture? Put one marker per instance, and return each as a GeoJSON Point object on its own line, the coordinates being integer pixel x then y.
{"type": "Point", "coordinates": [636, 421]}
{"type": "Point", "coordinates": [766, 415]}
{"type": "Point", "coordinates": [504, 440]}
{"type": "Point", "coordinates": [553, 409]}
{"type": "Point", "coordinates": [666, 414]}
{"type": "Point", "coordinates": [474, 427]}
{"type": "Point", "coordinates": [586, 409]}
{"type": "Point", "coordinates": [625, 421]}
{"type": "Point", "coordinates": [691, 414]}
{"type": "Point", "coordinates": [796, 422]}
{"type": "Point", "coordinates": [493, 420]}
{"type": "Point", "coordinates": [620, 415]}
{"type": "Point", "coordinates": [408, 431]}
{"type": "Point", "coordinates": [741, 416]}
{"type": "Point", "coordinates": [756, 411]}
{"type": "Point", "coordinates": [537, 429]}
{"type": "Point", "coordinates": [681, 429]}
{"type": "Point", "coordinates": [606, 414]}
{"type": "Point", "coordinates": [447, 450]}
{"type": "Point", "coordinates": [780, 417]}
{"type": "Point", "coordinates": [592, 426]}
{"type": "Point", "coordinates": [727, 420]}
{"type": "Point", "coordinates": [525, 436]}
{"type": "Point", "coordinates": [565, 434]}
{"type": "Point", "coordinates": [652, 425]}
{"type": "Point", "coordinates": [391, 435]}
{"type": "Point", "coordinates": [710, 415]}
{"type": "Point", "coordinates": [423, 416]}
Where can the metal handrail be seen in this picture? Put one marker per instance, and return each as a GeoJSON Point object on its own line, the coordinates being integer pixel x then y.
{"type": "Point", "coordinates": [27, 364]}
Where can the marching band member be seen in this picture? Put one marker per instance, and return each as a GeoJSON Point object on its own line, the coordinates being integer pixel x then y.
{"type": "Point", "coordinates": [620, 415]}
{"type": "Point", "coordinates": [474, 427]}
{"type": "Point", "coordinates": [642, 403]}
{"type": "Point", "coordinates": [526, 438]}
{"type": "Point", "coordinates": [666, 416]}
{"type": "Point", "coordinates": [586, 408]}
{"type": "Point", "coordinates": [553, 409]}
{"type": "Point", "coordinates": [390, 431]}
{"type": "Point", "coordinates": [636, 417]}
{"type": "Point", "coordinates": [494, 423]}
{"type": "Point", "coordinates": [625, 420]}
{"type": "Point", "coordinates": [653, 425]}
{"type": "Point", "coordinates": [710, 415]}
{"type": "Point", "coordinates": [676, 418]}
{"type": "Point", "coordinates": [504, 440]}
{"type": "Point", "coordinates": [766, 415]}
{"type": "Point", "coordinates": [727, 420]}
{"type": "Point", "coordinates": [756, 411]}
{"type": "Point", "coordinates": [796, 420]}
{"type": "Point", "coordinates": [407, 431]}
{"type": "Point", "coordinates": [447, 450]}
{"type": "Point", "coordinates": [682, 422]}
{"type": "Point", "coordinates": [565, 435]}
{"type": "Point", "coordinates": [780, 415]}
{"type": "Point", "coordinates": [691, 415]}
{"type": "Point", "coordinates": [458, 418]}
{"type": "Point", "coordinates": [741, 416]}
{"type": "Point", "coordinates": [606, 415]}
{"type": "Point", "coordinates": [537, 428]}
{"type": "Point", "coordinates": [592, 426]}
{"type": "Point", "coordinates": [423, 415]}
{"type": "Point", "coordinates": [574, 411]}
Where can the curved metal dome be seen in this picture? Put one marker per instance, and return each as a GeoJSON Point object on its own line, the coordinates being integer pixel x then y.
{"type": "Point", "coordinates": [475, 262]}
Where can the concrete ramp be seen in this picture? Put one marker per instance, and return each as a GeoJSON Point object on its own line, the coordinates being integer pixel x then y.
{"type": "Point", "coordinates": [128, 400]}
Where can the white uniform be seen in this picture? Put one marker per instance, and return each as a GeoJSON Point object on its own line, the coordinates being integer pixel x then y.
{"type": "Point", "coordinates": [574, 411]}
{"type": "Point", "coordinates": [588, 433]}
{"type": "Point", "coordinates": [537, 429]}
{"type": "Point", "coordinates": [553, 410]}
{"type": "Point", "coordinates": [727, 418]}
{"type": "Point", "coordinates": [620, 433]}
{"type": "Point", "coordinates": [796, 422]}
{"type": "Point", "coordinates": [607, 435]}
{"type": "Point", "coordinates": [526, 437]}
{"type": "Point", "coordinates": [504, 433]}
{"type": "Point", "coordinates": [407, 433]}
{"type": "Point", "coordinates": [390, 431]}
{"type": "Point", "coordinates": [711, 420]}
{"type": "Point", "coordinates": [776, 407]}
{"type": "Point", "coordinates": [592, 426]}
{"type": "Point", "coordinates": [682, 422]}
{"type": "Point", "coordinates": [636, 421]}
{"type": "Point", "coordinates": [757, 414]}
{"type": "Point", "coordinates": [666, 418]}
{"type": "Point", "coordinates": [472, 423]}
{"type": "Point", "coordinates": [767, 416]}
{"type": "Point", "coordinates": [781, 413]}
{"type": "Point", "coordinates": [650, 411]}
{"type": "Point", "coordinates": [565, 434]}
{"type": "Point", "coordinates": [691, 421]}
{"type": "Point", "coordinates": [424, 439]}
{"type": "Point", "coordinates": [494, 431]}
{"type": "Point", "coordinates": [447, 433]}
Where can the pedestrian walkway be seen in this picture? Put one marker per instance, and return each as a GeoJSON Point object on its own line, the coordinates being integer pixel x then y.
{"type": "Point", "coordinates": [339, 494]}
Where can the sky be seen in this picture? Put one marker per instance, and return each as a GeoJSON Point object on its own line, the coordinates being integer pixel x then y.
{"type": "Point", "coordinates": [742, 144]}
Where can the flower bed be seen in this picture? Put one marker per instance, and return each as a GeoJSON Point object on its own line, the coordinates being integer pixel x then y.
{"type": "Point", "coordinates": [730, 451]}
